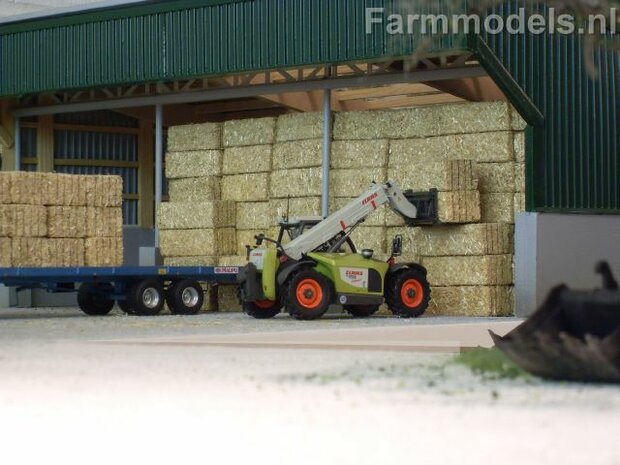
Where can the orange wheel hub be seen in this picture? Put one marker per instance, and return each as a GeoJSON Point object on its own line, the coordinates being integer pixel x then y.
{"type": "Point", "coordinates": [412, 293]}
{"type": "Point", "coordinates": [264, 304]}
{"type": "Point", "coordinates": [309, 294]}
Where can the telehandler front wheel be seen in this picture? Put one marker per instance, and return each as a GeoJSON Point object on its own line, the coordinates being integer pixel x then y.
{"type": "Point", "coordinates": [307, 295]}
{"type": "Point", "coordinates": [262, 310]}
{"type": "Point", "coordinates": [408, 293]}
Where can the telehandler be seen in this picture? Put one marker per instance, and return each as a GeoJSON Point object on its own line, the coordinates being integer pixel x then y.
{"type": "Point", "coordinates": [321, 266]}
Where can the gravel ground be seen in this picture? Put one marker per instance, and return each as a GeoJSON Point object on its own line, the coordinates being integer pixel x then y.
{"type": "Point", "coordinates": [64, 396]}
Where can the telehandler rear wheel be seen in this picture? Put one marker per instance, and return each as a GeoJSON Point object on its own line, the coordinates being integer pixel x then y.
{"type": "Point", "coordinates": [408, 293]}
{"type": "Point", "coordinates": [307, 295]}
{"type": "Point", "coordinates": [362, 311]}
{"type": "Point", "coordinates": [262, 310]}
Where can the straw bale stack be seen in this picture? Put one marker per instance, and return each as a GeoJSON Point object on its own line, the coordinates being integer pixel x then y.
{"type": "Point", "coordinates": [6, 254]}
{"type": "Point", "coordinates": [195, 189]}
{"type": "Point", "coordinates": [498, 208]}
{"type": "Point", "coordinates": [23, 221]}
{"type": "Point", "coordinates": [248, 237]}
{"type": "Point", "coordinates": [5, 188]}
{"type": "Point", "coordinates": [353, 182]}
{"type": "Point", "coordinates": [190, 261]}
{"type": "Point", "coordinates": [26, 252]}
{"type": "Point", "coordinates": [517, 123]}
{"type": "Point", "coordinates": [255, 215]}
{"type": "Point", "coordinates": [519, 147]}
{"type": "Point", "coordinates": [496, 177]}
{"type": "Point", "coordinates": [197, 242]}
{"type": "Point", "coordinates": [445, 176]}
{"type": "Point", "coordinates": [459, 207]}
{"type": "Point", "coordinates": [519, 177]}
{"type": "Point", "coordinates": [103, 251]}
{"type": "Point", "coordinates": [304, 182]}
{"type": "Point", "coordinates": [228, 300]}
{"type": "Point", "coordinates": [204, 215]}
{"type": "Point", "coordinates": [193, 164]}
{"type": "Point", "coordinates": [195, 137]}
{"type": "Point", "coordinates": [299, 126]}
{"type": "Point", "coordinates": [298, 154]}
{"type": "Point", "coordinates": [519, 203]}
{"type": "Point", "coordinates": [360, 154]}
{"type": "Point", "coordinates": [246, 187]}
{"type": "Point", "coordinates": [295, 207]}
{"type": "Point", "coordinates": [489, 270]}
{"type": "Point", "coordinates": [472, 301]}
{"type": "Point", "coordinates": [371, 237]}
{"type": "Point", "coordinates": [70, 222]}
{"type": "Point", "coordinates": [239, 133]}
{"type": "Point", "coordinates": [247, 159]}
{"type": "Point", "coordinates": [233, 260]}
{"type": "Point", "coordinates": [104, 222]}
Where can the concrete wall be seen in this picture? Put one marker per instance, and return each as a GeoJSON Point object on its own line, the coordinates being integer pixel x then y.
{"type": "Point", "coordinates": [553, 249]}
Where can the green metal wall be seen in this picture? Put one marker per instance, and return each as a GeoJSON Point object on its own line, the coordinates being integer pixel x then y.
{"type": "Point", "coordinates": [574, 158]}
{"type": "Point", "coordinates": [180, 39]}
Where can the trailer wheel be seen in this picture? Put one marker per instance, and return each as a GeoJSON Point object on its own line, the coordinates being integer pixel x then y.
{"type": "Point", "coordinates": [362, 311]}
{"type": "Point", "coordinates": [307, 295]}
{"type": "Point", "coordinates": [408, 293]}
{"type": "Point", "coordinates": [93, 301]}
{"type": "Point", "coordinates": [146, 298]}
{"type": "Point", "coordinates": [185, 297]}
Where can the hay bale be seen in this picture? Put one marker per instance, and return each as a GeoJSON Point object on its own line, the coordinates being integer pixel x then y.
{"type": "Point", "coordinates": [375, 219]}
{"type": "Point", "coordinates": [227, 299]}
{"type": "Point", "coordinates": [195, 189]}
{"type": "Point", "coordinates": [104, 191]}
{"type": "Point", "coordinates": [249, 132]}
{"type": "Point", "coordinates": [104, 222]}
{"type": "Point", "coordinates": [490, 270]}
{"type": "Point", "coordinates": [193, 164]}
{"type": "Point", "coordinates": [246, 187]}
{"type": "Point", "coordinates": [26, 252]}
{"type": "Point", "coordinates": [471, 239]}
{"type": "Point", "coordinates": [480, 301]}
{"type": "Point", "coordinates": [374, 238]}
{"type": "Point", "coordinates": [62, 253]}
{"type": "Point", "coordinates": [197, 242]}
{"type": "Point", "coordinates": [24, 188]}
{"type": "Point", "coordinates": [195, 137]}
{"type": "Point", "coordinates": [497, 208]}
{"type": "Point", "coordinates": [203, 215]}
{"type": "Point", "coordinates": [445, 176]}
{"type": "Point", "coordinates": [459, 207]}
{"type": "Point", "coordinates": [5, 188]}
{"type": "Point", "coordinates": [23, 221]}
{"type": "Point", "coordinates": [299, 126]}
{"type": "Point", "coordinates": [233, 260]}
{"type": "Point", "coordinates": [360, 154]}
{"type": "Point", "coordinates": [300, 206]}
{"type": "Point", "coordinates": [72, 190]}
{"type": "Point", "coordinates": [419, 122]}
{"type": "Point", "coordinates": [517, 123]}
{"type": "Point", "coordinates": [520, 177]}
{"type": "Point", "coordinates": [347, 183]}
{"type": "Point", "coordinates": [519, 146]}
{"type": "Point", "coordinates": [496, 177]}
{"type": "Point", "coordinates": [298, 154]}
{"type": "Point", "coordinates": [67, 222]}
{"type": "Point", "coordinates": [255, 215]}
{"type": "Point", "coordinates": [190, 261]}
{"type": "Point", "coordinates": [5, 253]}
{"type": "Point", "coordinates": [104, 251]}
{"type": "Point", "coordinates": [305, 182]}
{"type": "Point", "coordinates": [492, 147]}
{"type": "Point", "coordinates": [250, 159]}
{"type": "Point", "coordinates": [519, 203]}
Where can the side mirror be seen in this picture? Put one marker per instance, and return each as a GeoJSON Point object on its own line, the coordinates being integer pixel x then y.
{"type": "Point", "coordinates": [397, 246]}
{"type": "Point", "coordinates": [259, 239]}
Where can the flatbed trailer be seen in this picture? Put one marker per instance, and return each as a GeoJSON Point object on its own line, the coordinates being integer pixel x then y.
{"type": "Point", "coordinates": [137, 290]}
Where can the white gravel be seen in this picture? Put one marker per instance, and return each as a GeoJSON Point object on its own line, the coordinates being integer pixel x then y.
{"type": "Point", "coordinates": [65, 398]}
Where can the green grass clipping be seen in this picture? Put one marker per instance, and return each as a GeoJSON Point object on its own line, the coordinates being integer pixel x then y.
{"type": "Point", "coordinates": [490, 363]}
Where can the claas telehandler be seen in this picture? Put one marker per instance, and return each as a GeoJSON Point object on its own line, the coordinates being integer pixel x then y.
{"type": "Point", "coordinates": [320, 265]}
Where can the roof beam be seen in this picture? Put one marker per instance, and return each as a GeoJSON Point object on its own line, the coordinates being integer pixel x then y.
{"type": "Point", "coordinates": [258, 90]}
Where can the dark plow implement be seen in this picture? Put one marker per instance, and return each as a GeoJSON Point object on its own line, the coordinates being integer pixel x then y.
{"type": "Point", "coordinates": [574, 336]}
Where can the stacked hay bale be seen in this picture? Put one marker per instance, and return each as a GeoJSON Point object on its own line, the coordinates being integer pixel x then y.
{"type": "Point", "coordinates": [472, 153]}
{"type": "Point", "coordinates": [55, 220]}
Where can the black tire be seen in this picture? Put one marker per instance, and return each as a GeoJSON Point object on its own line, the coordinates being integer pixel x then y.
{"type": "Point", "coordinates": [146, 298]}
{"type": "Point", "coordinates": [362, 311]}
{"type": "Point", "coordinates": [408, 293]}
{"type": "Point", "coordinates": [92, 302]}
{"type": "Point", "coordinates": [125, 307]}
{"type": "Point", "coordinates": [318, 295]}
{"type": "Point", "coordinates": [185, 297]}
{"type": "Point", "coordinates": [262, 310]}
